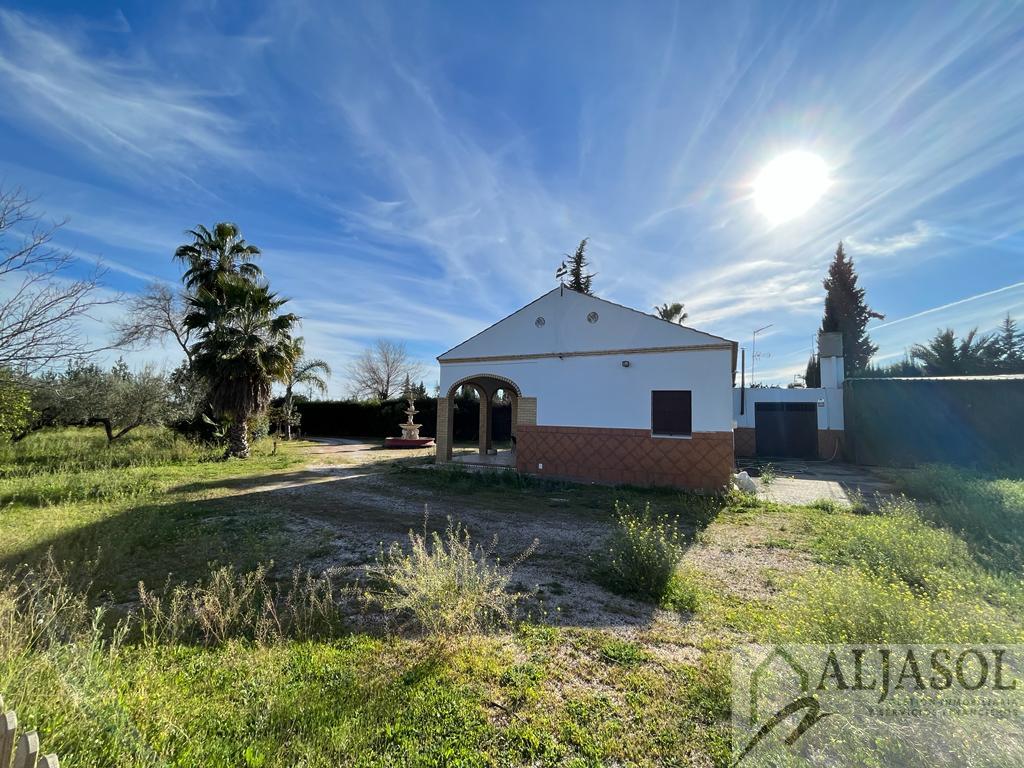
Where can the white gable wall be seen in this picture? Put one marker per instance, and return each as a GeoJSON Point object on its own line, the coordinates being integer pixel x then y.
{"type": "Point", "coordinates": [565, 329]}
{"type": "Point", "coordinates": [597, 391]}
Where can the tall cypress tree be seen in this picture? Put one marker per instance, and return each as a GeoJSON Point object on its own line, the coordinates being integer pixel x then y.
{"type": "Point", "coordinates": [847, 312]}
{"type": "Point", "coordinates": [575, 267]}
{"type": "Point", "coordinates": [812, 374]}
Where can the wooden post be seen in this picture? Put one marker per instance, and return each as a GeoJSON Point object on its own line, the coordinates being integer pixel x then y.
{"type": "Point", "coordinates": [28, 751]}
{"type": "Point", "coordinates": [27, 755]}
{"type": "Point", "coordinates": [8, 725]}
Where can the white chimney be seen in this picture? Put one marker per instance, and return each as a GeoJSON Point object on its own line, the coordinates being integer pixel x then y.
{"type": "Point", "coordinates": [830, 359]}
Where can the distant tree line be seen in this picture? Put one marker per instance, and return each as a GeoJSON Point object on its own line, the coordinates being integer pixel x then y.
{"type": "Point", "coordinates": [83, 394]}
{"type": "Point", "coordinates": [377, 419]}
{"type": "Point", "coordinates": [974, 354]}
{"type": "Point", "coordinates": [236, 336]}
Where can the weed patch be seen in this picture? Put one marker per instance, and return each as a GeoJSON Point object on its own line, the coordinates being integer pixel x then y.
{"type": "Point", "coordinates": [852, 605]}
{"type": "Point", "coordinates": [231, 605]}
{"type": "Point", "coordinates": [684, 590]}
{"type": "Point", "coordinates": [623, 653]}
{"type": "Point", "coordinates": [987, 511]}
{"type": "Point", "coordinates": [446, 584]}
{"type": "Point", "coordinates": [897, 544]}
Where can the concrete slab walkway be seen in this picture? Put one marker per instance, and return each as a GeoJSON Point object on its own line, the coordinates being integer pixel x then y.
{"type": "Point", "coordinates": [802, 482]}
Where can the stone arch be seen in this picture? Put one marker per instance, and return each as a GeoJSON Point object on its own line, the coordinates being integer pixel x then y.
{"type": "Point", "coordinates": [486, 384]}
{"type": "Point", "coordinates": [496, 377]}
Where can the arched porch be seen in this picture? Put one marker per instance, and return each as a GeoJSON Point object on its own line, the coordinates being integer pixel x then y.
{"type": "Point", "coordinates": [487, 386]}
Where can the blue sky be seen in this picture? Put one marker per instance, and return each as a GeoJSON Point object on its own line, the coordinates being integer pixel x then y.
{"type": "Point", "coordinates": [416, 170]}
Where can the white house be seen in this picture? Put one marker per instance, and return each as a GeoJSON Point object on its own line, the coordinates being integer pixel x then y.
{"type": "Point", "coordinates": [600, 392]}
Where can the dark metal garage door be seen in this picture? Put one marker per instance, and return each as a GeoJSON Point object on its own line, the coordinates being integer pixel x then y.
{"type": "Point", "coordinates": [786, 430]}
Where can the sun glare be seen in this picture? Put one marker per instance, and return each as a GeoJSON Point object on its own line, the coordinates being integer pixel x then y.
{"type": "Point", "coordinates": [789, 185]}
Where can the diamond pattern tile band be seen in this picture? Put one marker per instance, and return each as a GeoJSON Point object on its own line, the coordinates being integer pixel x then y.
{"type": "Point", "coordinates": [633, 456]}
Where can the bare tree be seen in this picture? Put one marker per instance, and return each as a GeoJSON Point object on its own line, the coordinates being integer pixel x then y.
{"type": "Point", "coordinates": [154, 314]}
{"type": "Point", "coordinates": [379, 372]}
{"type": "Point", "coordinates": [41, 305]}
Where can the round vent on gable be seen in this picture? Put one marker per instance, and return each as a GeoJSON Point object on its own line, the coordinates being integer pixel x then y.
{"type": "Point", "coordinates": [593, 317]}
{"type": "Point", "coordinates": [539, 322]}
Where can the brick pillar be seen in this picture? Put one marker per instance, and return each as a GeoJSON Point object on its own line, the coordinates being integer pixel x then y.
{"type": "Point", "coordinates": [515, 414]}
{"type": "Point", "coordinates": [485, 422]}
{"type": "Point", "coordinates": [443, 440]}
{"type": "Point", "coordinates": [526, 413]}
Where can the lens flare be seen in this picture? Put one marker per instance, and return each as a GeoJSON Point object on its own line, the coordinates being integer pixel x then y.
{"type": "Point", "coordinates": [789, 185]}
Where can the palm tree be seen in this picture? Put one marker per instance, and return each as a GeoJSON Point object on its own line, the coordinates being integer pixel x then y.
{"type": "Point", "coordinates": [216, 257]}
{"type": "Point", "coordinates": [944, 355]}
{"type": "Point", "coordinates": [244, 345]}
{"type": "Point", "coordinates": [674, 312]}
{"type": "Point", "coordinates": [305, 371]}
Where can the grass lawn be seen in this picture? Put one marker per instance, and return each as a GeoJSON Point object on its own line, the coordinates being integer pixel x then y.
{"type": "Point", "coordinates": [588, 677]}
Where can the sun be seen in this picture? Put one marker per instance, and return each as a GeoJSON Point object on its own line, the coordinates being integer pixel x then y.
{"type": "Point", "coordinates": [789, 185]}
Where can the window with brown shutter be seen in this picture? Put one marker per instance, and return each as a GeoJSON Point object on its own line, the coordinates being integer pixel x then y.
{"type": "Point", "coordinates": [670, 412]}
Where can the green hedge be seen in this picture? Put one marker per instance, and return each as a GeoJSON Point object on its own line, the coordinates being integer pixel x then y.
{"type": "Point", "coordinates": [350, 418]}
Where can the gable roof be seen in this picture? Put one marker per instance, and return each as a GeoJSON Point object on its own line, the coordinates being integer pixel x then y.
{"type": "Point", "coordinates": [567, 328]}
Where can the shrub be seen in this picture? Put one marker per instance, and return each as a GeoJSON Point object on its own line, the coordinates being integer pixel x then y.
{"type": "Point", "coordinates": [738, 500]}
{"type": "Point", "coordinates": [643, 553]}
{"type": "Point", "coordinates": [259, 426]}
{"type": "Point", "coordinates": [232, 605]}
{"type": "Point", "coordinates": [15, 406]}
{"type": "Point", "coordinates": [445, 583]}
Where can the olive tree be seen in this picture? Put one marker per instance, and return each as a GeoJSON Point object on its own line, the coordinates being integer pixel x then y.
{"type": "Point", "coordinates": [119, 400]}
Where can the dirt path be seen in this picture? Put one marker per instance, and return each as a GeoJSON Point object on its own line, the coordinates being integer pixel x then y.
{"type": "Point", "coordinates": [352, 502]}
{"type": "Point", "coordinates": [330, 446]}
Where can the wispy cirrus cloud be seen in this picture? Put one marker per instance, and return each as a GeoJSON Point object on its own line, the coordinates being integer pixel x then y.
{"type": "Point", "coordinates": [983, 311]}
{"type": "Point", "coordinates": [124, 112]}
{"type": "Point", "coordinates": [918, 235]}
{"type": "Point", "coordinates": [421, 170]}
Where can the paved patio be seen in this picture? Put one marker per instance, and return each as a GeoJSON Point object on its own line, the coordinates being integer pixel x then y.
{"type": "Point", "coordinates": [801, 482]}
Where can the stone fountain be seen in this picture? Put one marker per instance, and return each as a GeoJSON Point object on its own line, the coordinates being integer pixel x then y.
{"type": "Point", "coordinates": [410, 429]}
